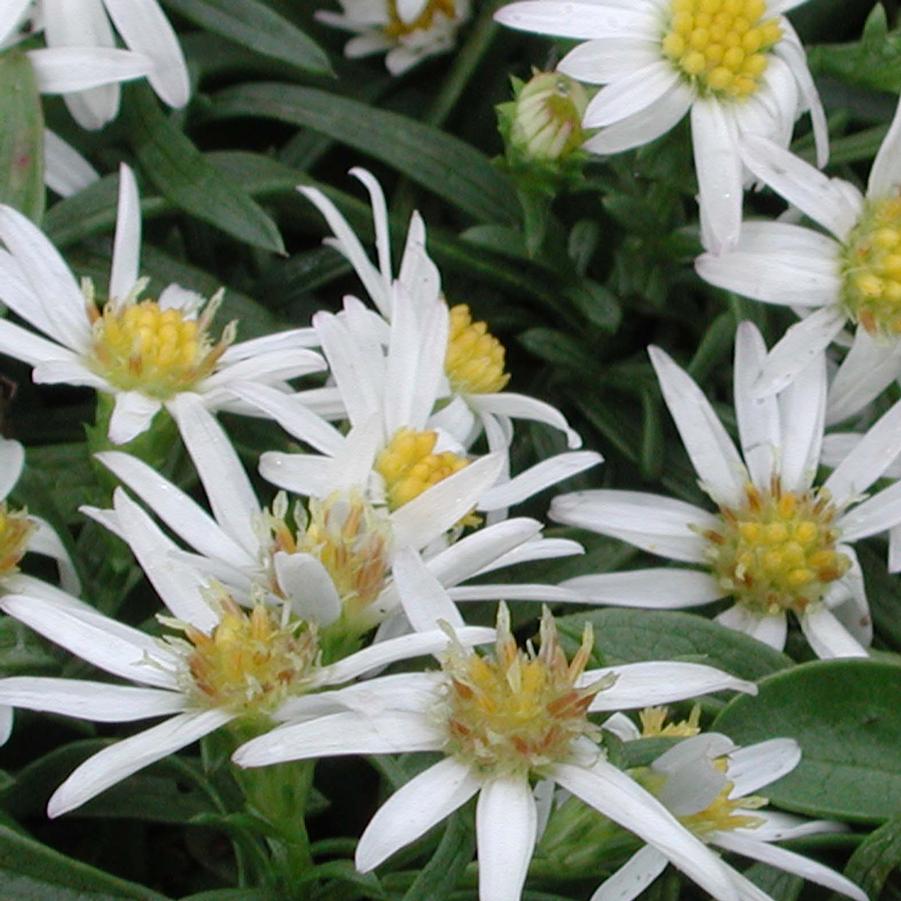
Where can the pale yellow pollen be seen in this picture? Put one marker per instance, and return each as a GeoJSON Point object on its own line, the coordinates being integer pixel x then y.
{"type": "Point", "coordinates": [724, 814]}
{"type": "Point", "coordinates": [475, 358]}
{"type": "Point", "coordinates": [250, 662]}
{"type": "Point", "coordinates": [157, 351]}
{"type": "Point", "coordinates": [397, 27]}
{"type": "Point", "coordinates": [871, 269]}
{"type": "Point", "coordinates": [722, 46]}
{"type": "Point", "coordinates": [15, 530]}
{"type": "Point", "coordinates": [654, 724]}
{"type": "Point", "coordinates": [409, 465]}
{"type": "Point", "coordinates": [517, 709]}
{"type": "Point", "coordinates": [777, 551]}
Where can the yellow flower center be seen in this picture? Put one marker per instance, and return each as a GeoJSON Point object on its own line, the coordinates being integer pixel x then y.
{"type": "Point", "coordinates": [516, 710]}
{"type": "Point", "coordinates": [475, 358]}
{"type": "Point", "coordinates": [398, 28]}
{"type": "Point", "coordinates": [160, 352]}
{"type": "Point", "coordinates": [654, 724]}
{"type": "Point", "coordinates": [721, 46]}
{"type": "Point", "coordinates": [251, 661]}
{"type": "Point", "coordinates": [777, 551]}
{"type": "Point", "coordinates": [723, 814]}
{"type": "Point", "coordinates": [409, 465]}
{"type": "Point", "coordinates": [871, 269]}
{"type": "Point", "coordinates": [15, 530]}
{"type": "Point", "coordinates": [349, 538]}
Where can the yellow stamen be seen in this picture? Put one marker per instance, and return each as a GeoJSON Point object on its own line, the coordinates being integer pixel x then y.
{"type": "Point", "coordinates": [654, 725]}
{"type": "Point", "coordinates": [397, 27]}
{"type": "Point", "coordinates": [723, 814]}
{"type": "Point", "coordinates": [15, 530]}
{"type": "Point", "coordinates": [475, 358]}
{"type": "Point", "coordinates": [722, 46]}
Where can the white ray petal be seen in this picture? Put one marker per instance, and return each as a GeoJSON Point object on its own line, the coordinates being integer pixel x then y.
{"type": "Point", "coordinates": [661, 588]}
{"type": "Point", "coordinates": [870, 366]}
{"type": "Point", "coordinates": [66, 171]}
{"type": "Point", "coordinates": [607, 59]}
{"type": "Point", "coordinates": [65, 70]}
{"type": "Point", "coordinates": [802, 409]}
{"type": "Point", "coordinates": [875, 515]}
{"type": "Point", "coordinates": [631, 94]}
{"type": "Point", "coordinates": [885, 175]}
{"type": "Point", "coordinates": [576, 20]}
{"type": "Point", "coordinates": [309, 588]}
{"type": "Point", "coordinates": [755, 766]}
{"type": "Point", "coordinates": [827, 636]}
{"type": "Point", "coordinates": [770, 630]}
{"type": "Point", "coordinates": [424, 600]}
{"type": "Point", "coordinates": [12, 461]}
{"type": "Point", "coordinates": [132, 414]}
{"type": "Point", "coordinates": [538, 477]}
{"type": "Point", "coordinates": [519, 406]}
{"type": "Point", "coordinates": [633, 877]}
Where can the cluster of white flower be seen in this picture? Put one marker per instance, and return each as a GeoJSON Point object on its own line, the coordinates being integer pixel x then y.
{"type": "Point", "coordinates": [399, 490]}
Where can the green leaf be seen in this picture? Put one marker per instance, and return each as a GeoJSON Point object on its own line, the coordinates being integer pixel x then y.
{"type": "Point", "coordinates": [22, 653]}
{"type": "Point", "coordinates": [597, 304]}
{"type": "Point", "coordinates": [30, 871]}
{"type": "Point", "coordinates": [21, 137]}
{"type": "Point", "coordinates": [254, 25]}
{"type": "Point", "coordinates": [183, 175]}
{"type": "Point", "coordinates": [844, 714]}
{"type": "Point", "coordinates": [778, 884]}
{"type": "Point", "coordinates": [876, 858]}
{"type": "Point", "coordinates": [439, 162]}
{"type": "Point", "coordinates": [883, 594]}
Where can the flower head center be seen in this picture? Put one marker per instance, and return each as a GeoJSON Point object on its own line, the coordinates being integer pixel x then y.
{"type": "Point", "coordinates": [15, 530]}
{"type": "Point", "coordinates": [778, 550]}
{"type": "Point", "coordinates": [721, 46]}
{"type": "Point", "coordinates": [871, 269]}
{"type": "Point", "coordinates": [409, 465]}
{"type": "Point", "coordinates": [141, 345]}
{"type": "Point", "coordinates": [474, 362]}
{"type": "Point", "coordinates": [250, 662]}
{"type": "Point", "coordinates": [516, 710]}
{"type": "Point", "coordinates": [350, 539]}
{"type": "Point", "coordinates": [398, 27]}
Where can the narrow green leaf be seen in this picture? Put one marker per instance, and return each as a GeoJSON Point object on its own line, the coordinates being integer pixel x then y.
{"type": "Point", "coordinates": [21, 137]}
{"type": "Point", "coordinates": [439, 162]}
{"type": "Point", "coordinates": [22, 653]}
{"type": "Point", "coordinates": [628, 636]}
{"type": "Point", "coordinates": [778, 884]}
{"type": "Point", "coordinates": [843, 713]}
{"type": "Point", "coordinates": [876, 858]}
{"type": "Point", "coordinates": [254, 25]}
{"type": "Point", "coordinates": [183, 175]}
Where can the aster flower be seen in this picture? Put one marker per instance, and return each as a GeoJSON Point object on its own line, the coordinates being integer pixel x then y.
{"type": "Point", "coordinates": [852, 276]}
{"type": "Point", "coordinates": [736, 67]}
{"type": "Point", "coordinates": [334, 559]}
{"type": "Point", "coordinates": [220, 663]}
{"type": "Point", "coordinates": [499, 720]}
{"type": "Point", "coordinates": [777, 543]}
{"type": "Point", "coordinates": [144, 352]}
{"type": "Point", "coordinates": [81, 60]}
{"type": "Point", "coordinates": [408, 31]}
{"type": "Point", "coordinates": [471, 386]}
{"type": "Point", "coordinates": [707, 783]}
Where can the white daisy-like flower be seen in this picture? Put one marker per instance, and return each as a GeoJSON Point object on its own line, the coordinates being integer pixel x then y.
{"type": "Point", "coordinates": [850, 277]}
{"type": "Point", "coordinates": [407, 31]}
{"type": "Point", "coordinates": [226, 664]}
{"type": "Point", "coordinates": [777, 544]}
{"type": "Point", "coordinates": [81, 60]}
{"type": "Point", "coordinates": [707, 783]}
{"type": "Point", "coordinates": [499, 720]}
{"type": "Point", "coordinates": [144, 352]}
{"type": "Point", "coordinates": [472, 381]}
{"type": "Point", "coordinates": [335, 558]}
{"type": "Point", "coordinates": [736, 66]}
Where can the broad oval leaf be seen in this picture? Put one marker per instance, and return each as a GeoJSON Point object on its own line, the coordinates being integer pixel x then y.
{"type": "Point", "coordinates": [844, 714]}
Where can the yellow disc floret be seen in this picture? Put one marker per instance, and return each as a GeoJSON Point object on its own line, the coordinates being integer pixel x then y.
{"type": "Point", "coordinates": [250, 662]}
{"type": "Point", "coordinates": [409, 465]}
{"type": "Point", "coordinates": [139, 345]}
{"type": "Point", "coordinates": [777, 551]}
{"type": "Point", "coordinates": [724, 814]}
{"type": "Point", "coordinates": [350, 539]}
{"type": "Point", "coordinates": [397, 27]}
{"type": "Point", "coordinates": [721, 46]}
{"type": "Point", "coordinates": [871, 269]}
{"type": "Point", "coordinates": [475, 358]}
{"type": "Point", "coordinates": [517, 709]}
{"type": "Point", "coordinates": [15, 530]}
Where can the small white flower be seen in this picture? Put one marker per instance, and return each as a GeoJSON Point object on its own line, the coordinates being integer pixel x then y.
{"type": "Point", "coordinates": [408, 30]}
{"type": "Point", "coordinates": [206, 678]}
{"type": "Point", "coordinates": [736, 66]}
{"type": "Point", "coordinates": [144, 352]}
{"type": "Point", "coordinates": [851, 278]}
{"type": "Point", "coordinates": [334, 562]}
{"type": "Point", "coordinates": [499, 719]}
{"type": "Point", "coordinates": [706, 782]}
{"type": "Point", "coordinates": [777, 543]}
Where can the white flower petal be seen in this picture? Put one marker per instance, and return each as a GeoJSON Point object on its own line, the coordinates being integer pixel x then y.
{"type": "Point", "coordinates": [827, 636]}
{"type": "Point", "coordinates": [870, 366]}
{"type": "Point", "coordinates": [127, 243]}
{"type": "Point", "coordinates": [586, 20]}
{"type": "Point", "coordinates": [424, 600]}
{"type": "Point", "coordinates": [633, 877]}
{"type": "Point", "coordinates": [519, 406]}
{"type": "Point", "coordinates": [755, 766]}
{"type": "Point", "coordinates": [67, 369]}
{"type": "Point", "coordinates": [506, 827]}
{"type": "Point", "coordinates": [608, 59]}
{"type": "Point", "coordinates": [710, 448]}
{"type": "Point", "coordinates": [879, 513]}
{"type": "Point", "coordinates": [117, 762]}
{"type": "Point", "coordinates": [413, 809]}
{"type": "Point", "coordinates": [885, 175]}
{"type": "Point", "coordinates": [631, 94]}
{"type": "Point", "coordinates": [44, 540]}
{"type": "Point", "coordinates": [616, 796]}
{"type": "Point", "coordinates": [132, 414]}
{"type": "Point", "coordinates": [307, 474]}
{"type": "Point", "coordinates": [65, 70]}
{"type": "Point", "coordinates": [778, 827]}
{"type": "Point", "coordinates": [654, 588]}
{"type": "Point", "coordinates": [538, 477]}
{"type": "Point", "coordinates": [770, 630]}
{"type": "Point", "coordinates": [309, 588]}
{"type": "Point", "coordinates": [650, 684]}
{"type": "Point", "coordinates": [12, 462]}
{"type": "Point", "coordinates": [66, 171]}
